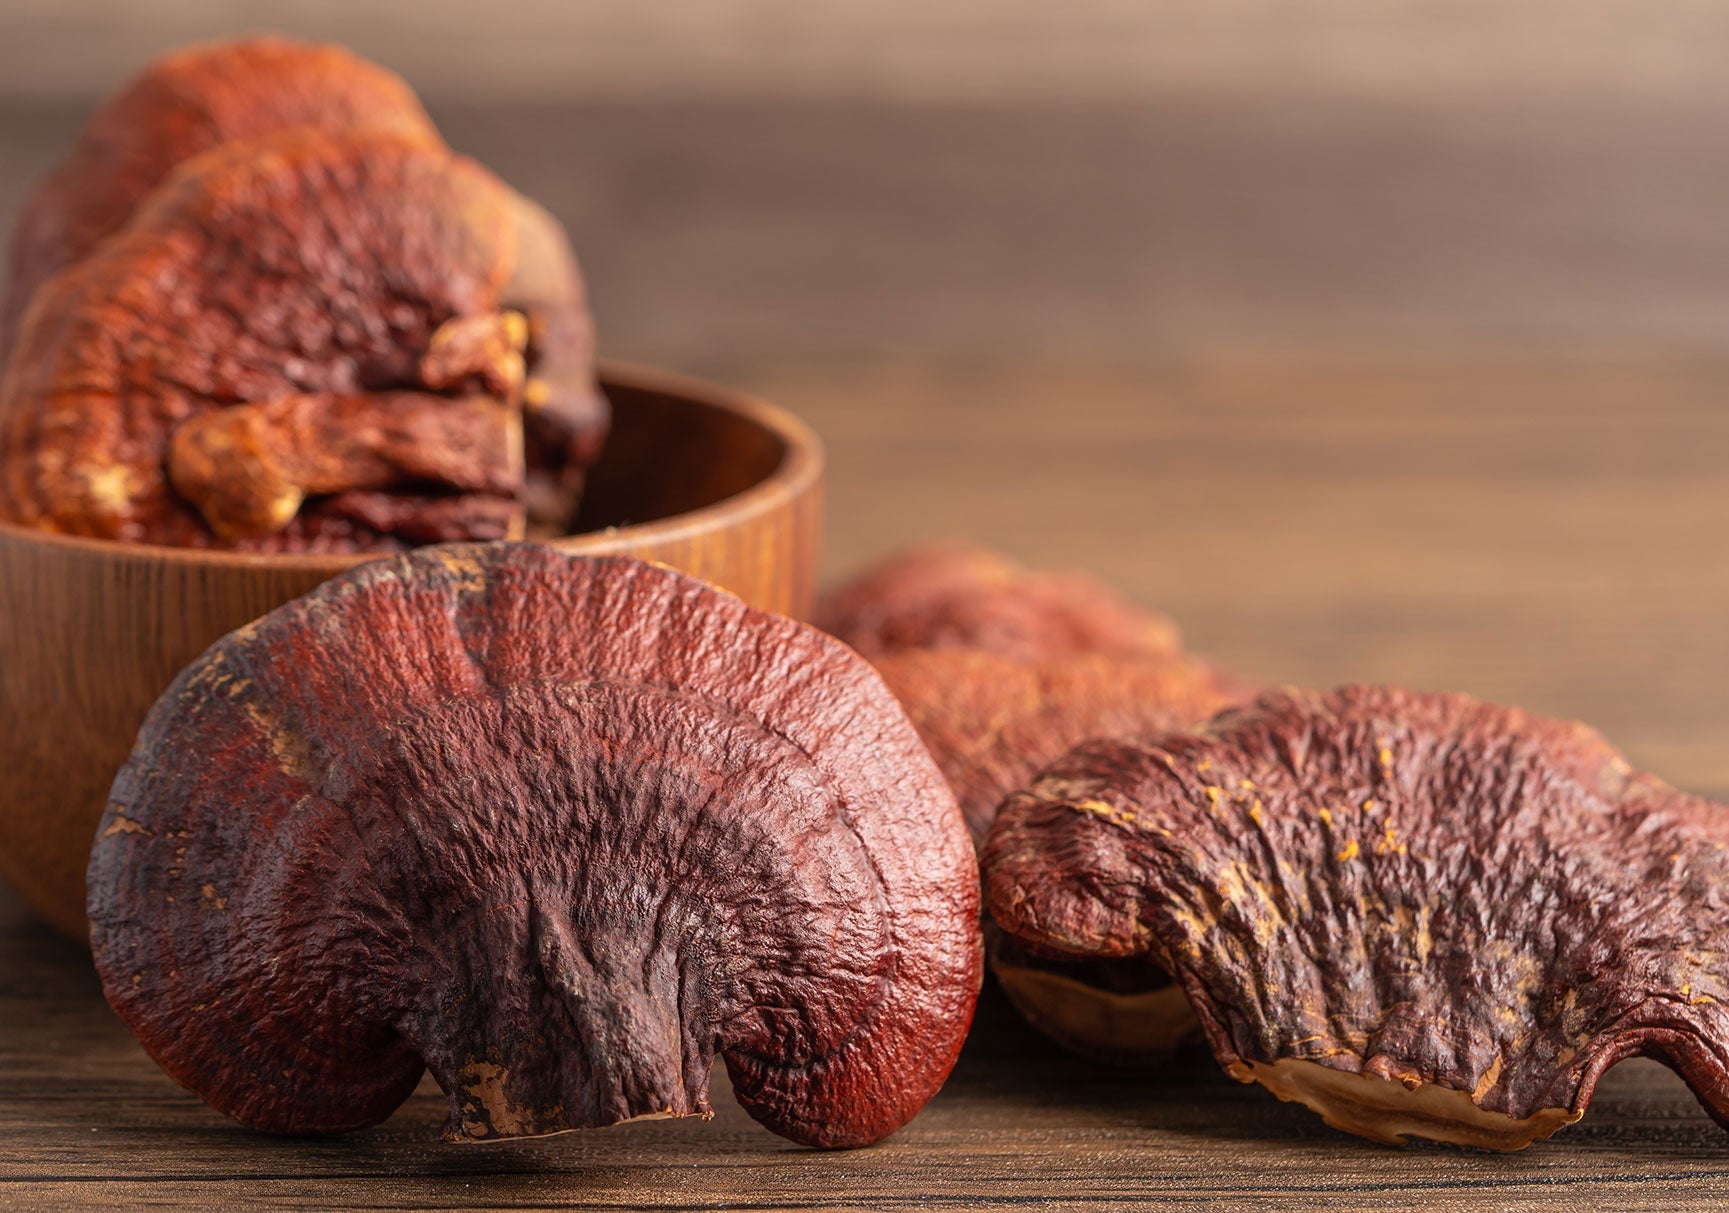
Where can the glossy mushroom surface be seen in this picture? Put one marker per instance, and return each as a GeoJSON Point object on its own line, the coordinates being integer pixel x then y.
{"type": "Point", "coordinates": [187, 102]}
{"type": "Point", "coordinates": [956, 596]}
{"type": "Point", "coordinates": [1002, 669]}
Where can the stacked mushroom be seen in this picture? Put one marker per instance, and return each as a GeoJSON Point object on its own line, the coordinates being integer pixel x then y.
{"type": "Point", "coordinates": [263, 307]}
{"type": "Point", "coordinates": [1002, 670]}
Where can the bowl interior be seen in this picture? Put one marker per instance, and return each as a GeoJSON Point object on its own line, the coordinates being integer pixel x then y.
{"type": "Point", "coordinates": [670, 454]}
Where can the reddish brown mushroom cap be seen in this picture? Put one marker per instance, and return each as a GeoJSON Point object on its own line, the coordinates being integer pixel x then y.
{"type": "Point", "coordinates": [183, 104]}
{"type": "Point", "coordinates": [1002, 670]}
{"type": "Point", "coordinates": [1420, 914]}
{"type": "Point", "coordinates": [992, 721]}
{"type": "Point", "coordinates": [561, 829]}
{"type": "Point", "coordinates": [951, 596]}
{"type": "Point", "coordinates": [233, 93]}
{"type": "Point", "coordinates": [307, 273]}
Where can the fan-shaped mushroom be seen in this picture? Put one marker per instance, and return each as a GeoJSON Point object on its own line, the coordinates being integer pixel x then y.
{"type": "Point", "coordinates": [992, 722]}
{"type": "Point", "coordinates": [1002, 669]}
{"type": "Point", "coordinates": [558, 829]}
{"type": "Point", "coordinates": [1419, 914]}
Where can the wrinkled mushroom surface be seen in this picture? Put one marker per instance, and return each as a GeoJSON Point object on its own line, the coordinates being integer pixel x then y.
{"type": "Point", "coordinates": [249, 91]}
{"type": "Point", "coordinates": [560, 830]}
{"type": "Point", "coordinates": [253, 347]}
{"type": "Point", "coordinates": [185, 103]}
{"type": "Point", "coordinates": [1002, 670]}
{"type": "Point", "coordinates": [1419, 914]}
{"type": "Point", "coordinates": [992, 722]}
{"type": "Point", "coordinates": [953, 596]}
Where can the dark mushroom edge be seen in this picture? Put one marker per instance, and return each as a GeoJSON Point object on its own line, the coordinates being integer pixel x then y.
{"type": "Point", "coordinates": [558, 829]}
{"type": "Point", "coordinates": [1419, 914]}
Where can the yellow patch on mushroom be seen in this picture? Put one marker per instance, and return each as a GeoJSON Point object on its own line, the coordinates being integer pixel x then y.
{"type": "Point", "coordinates": [123, 824]}
{"type": "Point", "coordinates": [293, 755]}
{"type": "Point", "coordinates": [111, 488]}
{"type": "Point", "coordinates": [1111, 813]}
{"type": "Point", "coordinates": [1487, 1082]}
{"type": "Point", "coordinates": [464, 566]}
{"type": "Point", "coordinates": [483, 1082]}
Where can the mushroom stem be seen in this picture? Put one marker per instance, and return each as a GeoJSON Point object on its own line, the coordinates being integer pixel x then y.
{"type": "Point", "coordinates": [589, 1034]}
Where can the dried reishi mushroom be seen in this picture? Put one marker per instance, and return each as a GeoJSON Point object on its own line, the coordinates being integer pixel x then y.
{"type": "Point", "coordinates": [1419, 914]}
{"type": "Point", "coordinates": [321, 289]}
{"type": "Point", "coordinates": [560, 830]}
{"type": "Point", "coordinates": [992, 722]}
{"type": "Point", "coordinates": [244, 90]}
{"type": "Point", "coordinates": [248, 468]}
{"type": "Point", "coordinates": [1001, 671]}
{"type": "Point", "coordinates": [186, 103]}
{"type": "Point", "coordinates": [951, 596]}
{"type": "Point", "coordinates": [1120, 1011]}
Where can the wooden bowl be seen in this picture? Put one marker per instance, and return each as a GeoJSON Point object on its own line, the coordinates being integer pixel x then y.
{"type": "Point", "coordinates": [694, 476]}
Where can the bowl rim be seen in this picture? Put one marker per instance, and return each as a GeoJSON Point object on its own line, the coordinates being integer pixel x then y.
{"type": "Point", "coordinates": [797, 473]}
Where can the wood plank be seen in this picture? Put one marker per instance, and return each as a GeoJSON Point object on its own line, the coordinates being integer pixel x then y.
{"type": "Point", "coordinates": [91, 1123]}
{"type": "Point", "coordinates": [1409, 53]}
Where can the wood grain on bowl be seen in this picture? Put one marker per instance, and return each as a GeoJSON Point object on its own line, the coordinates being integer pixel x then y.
{"type": "Point", "coordinates": [697, 477]}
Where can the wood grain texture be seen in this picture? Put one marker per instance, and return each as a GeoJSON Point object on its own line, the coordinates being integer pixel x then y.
{"type": "Point", "coordinates": [700, 478]}
{"type": "Point", "coordinates": [1407, 52]}
{"type": "Point", "coordinates": [91, 1123]}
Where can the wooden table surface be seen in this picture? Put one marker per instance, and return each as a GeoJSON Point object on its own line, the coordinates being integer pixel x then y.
{"type": "Point", "coordinates": [1533, 520]}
